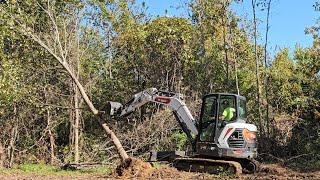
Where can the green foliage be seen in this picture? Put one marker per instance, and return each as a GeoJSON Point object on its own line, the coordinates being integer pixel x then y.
{"type": "Point", "coordinates": [306, 133]}
{"type": "Point", "coordinates": [43, 169]}
{"type": "Point", "coordinates": [9, 82]}
{"type": "Point", "coordinates": [281, 72]}
{"type": "Point", "coordinates": [155, 53]}
{"type": "Point", "coordinates": [180, 139]}
{"type": "Point", "coordinates": [121, 51]}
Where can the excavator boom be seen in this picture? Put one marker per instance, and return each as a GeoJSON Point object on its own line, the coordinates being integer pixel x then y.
{"type": "Point", "coordinates": [172, 100]}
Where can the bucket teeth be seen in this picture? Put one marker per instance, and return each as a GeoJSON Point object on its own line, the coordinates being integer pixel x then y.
{"type": "Point", "coordinates": [113, 108]}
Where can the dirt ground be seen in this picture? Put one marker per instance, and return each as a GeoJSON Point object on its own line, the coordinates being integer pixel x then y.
{"type": "Point", "coordinates": [142, 170]}
{"type": "Point", "coordinates": [275, 171]}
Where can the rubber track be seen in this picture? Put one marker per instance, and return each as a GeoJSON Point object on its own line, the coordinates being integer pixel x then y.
{"type": "Point", "coordinates": [236, 165]}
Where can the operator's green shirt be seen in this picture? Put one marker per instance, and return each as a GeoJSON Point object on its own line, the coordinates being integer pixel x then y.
{"type": "Point", "coordinates": [228, 113]}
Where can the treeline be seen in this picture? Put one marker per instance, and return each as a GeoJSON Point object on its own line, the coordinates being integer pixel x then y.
{"type": "Point", "coordinates": [116, 49]}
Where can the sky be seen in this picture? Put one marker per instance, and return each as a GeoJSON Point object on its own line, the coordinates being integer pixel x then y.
{"type": "Point", "coordinates": [288, 19]}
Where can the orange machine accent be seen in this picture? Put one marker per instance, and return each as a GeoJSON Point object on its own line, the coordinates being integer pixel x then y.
{"type": "Point", "coordinates": [249, 136]}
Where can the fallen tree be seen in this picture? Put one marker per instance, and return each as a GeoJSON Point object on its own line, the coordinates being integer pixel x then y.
{"type": "Point", "coordinates": [55, 44]}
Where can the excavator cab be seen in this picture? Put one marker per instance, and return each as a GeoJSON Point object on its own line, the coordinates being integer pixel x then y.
{"type": "Point", "coordinates": [223, 131]}
{"type": "Point", "coordinates": [224, 140]}
{"type": "Point", "coordinates": [219, 110]}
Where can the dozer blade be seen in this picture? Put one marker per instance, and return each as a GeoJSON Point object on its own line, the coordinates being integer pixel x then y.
{"type": "Point", "coordinates": [210, 166]}
{"type": "Point", "coordinates": [113, 108]}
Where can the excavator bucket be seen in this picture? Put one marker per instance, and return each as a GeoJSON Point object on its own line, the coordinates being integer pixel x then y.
{"type": "Point", "coordinates": [113, 108]}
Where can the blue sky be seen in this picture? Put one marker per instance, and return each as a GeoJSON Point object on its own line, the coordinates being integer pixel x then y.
{"type": "Point", "coordinates": [288, 19]}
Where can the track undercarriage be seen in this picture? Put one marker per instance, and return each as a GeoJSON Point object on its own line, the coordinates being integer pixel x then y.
{"type": "Point", "coordinates": [215, 166]}
{"type": "Point", "coordinates": [206, 164]}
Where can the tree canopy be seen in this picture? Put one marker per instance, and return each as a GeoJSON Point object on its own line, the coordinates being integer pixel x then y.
{"type": "Point", "coordinates": [115, 49]}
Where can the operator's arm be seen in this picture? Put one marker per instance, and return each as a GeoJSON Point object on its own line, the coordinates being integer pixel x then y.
{"type": "Point", "coordinates": [225, 113]}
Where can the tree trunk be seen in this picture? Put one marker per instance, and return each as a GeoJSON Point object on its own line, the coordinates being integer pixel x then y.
{"type": "Point", "coordinates": [49, 128]}
{"type": "Point", "coordinates": [81, 88]}
{"type": "Point", "coordinates": [71, 116]}
{"type": "Point", "coordinates": [225, 48]}
{"type": "Point", "coordinates": [266, 68]}
{"type": "Point", "coordinates": [76, 125]}
{"type": "Point", "coordinates": [122, 153]}
{"type": "Point", "coordinates": [14, 132]}
{"type": "Point", "coordinates": [253, 3]}
{"type": "Point", "coordinates": [2, 156]}
{"type": "Point", "coordinates": [51, 138]}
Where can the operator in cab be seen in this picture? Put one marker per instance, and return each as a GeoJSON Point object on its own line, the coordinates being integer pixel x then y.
{"type": "Point", "coordinates": [229, 111]}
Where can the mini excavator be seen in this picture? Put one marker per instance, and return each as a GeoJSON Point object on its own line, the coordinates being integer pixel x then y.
{"type": "Point", "coordinates": [221, 138]}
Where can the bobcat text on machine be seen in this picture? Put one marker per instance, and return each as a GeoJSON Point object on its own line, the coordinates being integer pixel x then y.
{"type": "Point", "coordinates": [221, 138]}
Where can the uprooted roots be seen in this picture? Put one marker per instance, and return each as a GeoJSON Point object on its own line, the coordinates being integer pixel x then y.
{"type": "Point", "coordinates": [134, 168]}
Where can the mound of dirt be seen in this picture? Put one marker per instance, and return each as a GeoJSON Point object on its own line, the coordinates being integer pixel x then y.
{"type": "Point", "coordinates": [134, 168]}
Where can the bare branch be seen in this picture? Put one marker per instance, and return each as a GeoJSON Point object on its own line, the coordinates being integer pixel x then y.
{"type": "Point", "coordinates": [53, 20]}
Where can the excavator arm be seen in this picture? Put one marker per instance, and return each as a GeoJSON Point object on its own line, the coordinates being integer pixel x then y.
{"type": "Point", "coordinates": [172, 100]}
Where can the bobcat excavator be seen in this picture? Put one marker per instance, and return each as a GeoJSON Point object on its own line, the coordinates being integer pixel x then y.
{"type": "Point", "coordinates": [221, 138]}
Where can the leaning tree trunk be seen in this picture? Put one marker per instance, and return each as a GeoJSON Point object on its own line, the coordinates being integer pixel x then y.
{"type": "Point", "coordinates": [61, 57]}
{"type": "Point", "coordinates": [122, 153]}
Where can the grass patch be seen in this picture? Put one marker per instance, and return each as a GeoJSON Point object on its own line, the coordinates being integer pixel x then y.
{"type": "Point", "coordinates": [44, 169]}
{"type": "Point", "coordinates": [158, 164]}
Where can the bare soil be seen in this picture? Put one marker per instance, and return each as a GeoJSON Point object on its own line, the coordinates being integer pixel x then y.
{"type": "Point", "coordinates": [275, 171]}
{"type": "Point", "coordinates": [138, 169]}
{"type": "Point", "coordinates": [142, 170]}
